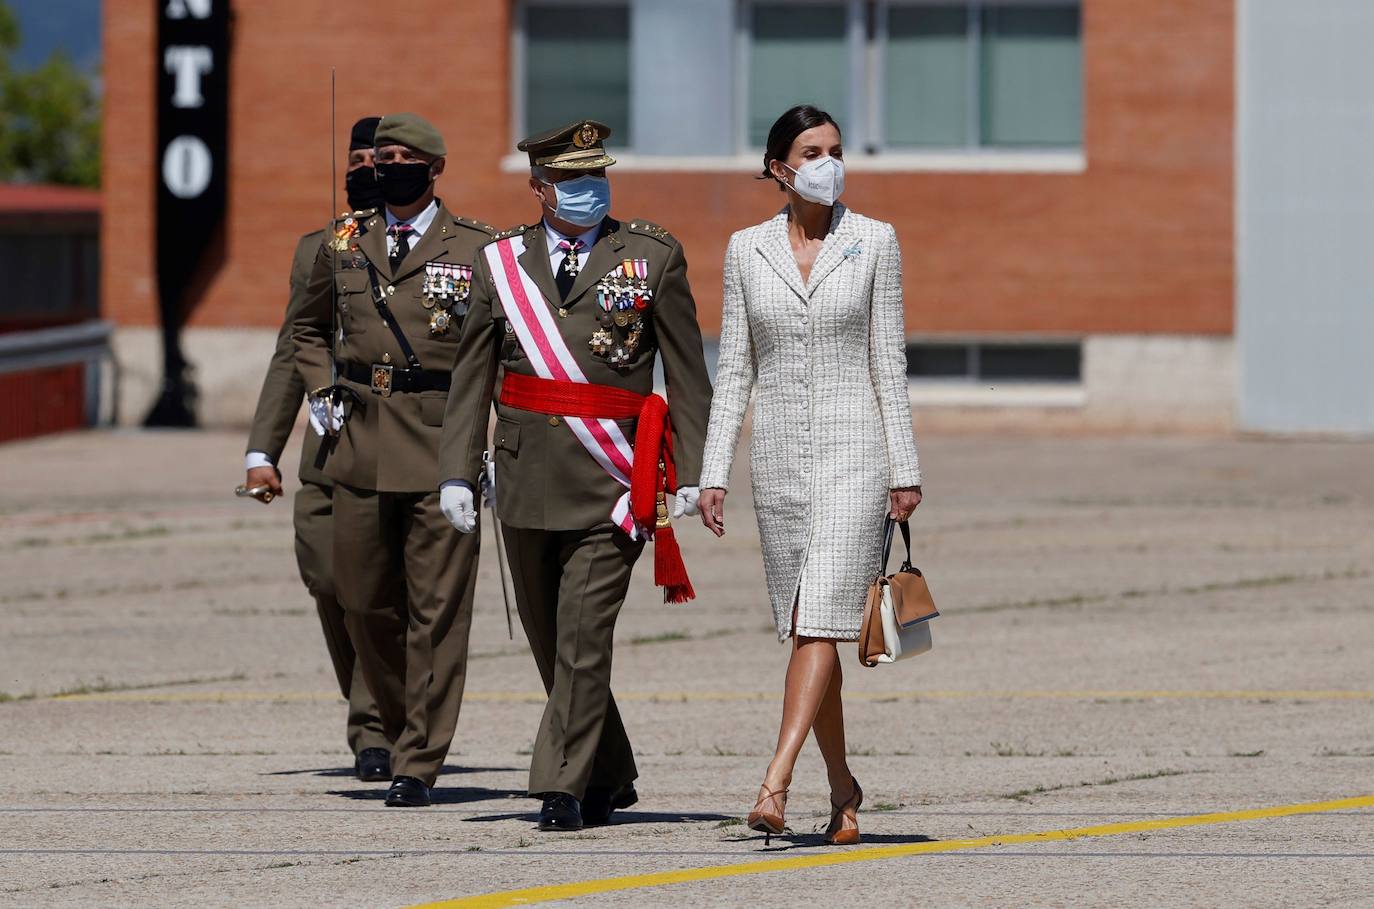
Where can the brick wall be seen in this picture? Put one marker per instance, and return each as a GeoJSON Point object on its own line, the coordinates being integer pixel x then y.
{"type": "Point", "coordinates": [1139, 243]}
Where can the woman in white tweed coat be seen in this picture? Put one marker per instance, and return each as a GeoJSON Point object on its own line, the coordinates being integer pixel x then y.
{"type": "Point", "coordinates": [813, 323]}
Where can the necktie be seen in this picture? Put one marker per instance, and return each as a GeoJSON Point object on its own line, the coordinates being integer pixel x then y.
{"type": "Point", "coordinates": [567, 269]}
{"type": "Point", "coordinates": [402, 234]}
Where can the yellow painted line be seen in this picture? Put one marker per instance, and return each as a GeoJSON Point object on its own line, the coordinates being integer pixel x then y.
{"type": "Point", "coordinates": [876, 853]}
{"type": "Point", "coordinates": [537, 697]}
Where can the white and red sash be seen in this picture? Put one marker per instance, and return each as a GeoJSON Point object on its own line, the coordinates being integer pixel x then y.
{"type": "Point", "coordinates": [542, 342]}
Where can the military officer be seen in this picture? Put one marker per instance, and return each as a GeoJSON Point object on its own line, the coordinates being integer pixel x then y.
{"type": "Point", "coordinates": [278, 404]}
{"type": "Point", "coordinates": [398, 282]}
{"type": "Point", "coordinates": [574, 310]}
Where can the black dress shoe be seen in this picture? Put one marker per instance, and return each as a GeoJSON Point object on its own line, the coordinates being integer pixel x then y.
{"type": "Point", "coordinates": [407, 792]}
{"type": "Point", "coordinates": [560, 812]}
{"type": "Point", "coordinates": [600, 802]}
{"type": "Point", "coordinates": [373, 765]}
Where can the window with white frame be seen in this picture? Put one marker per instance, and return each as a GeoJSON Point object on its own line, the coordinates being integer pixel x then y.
{"type": "Point", "coordinates": [899, 75]}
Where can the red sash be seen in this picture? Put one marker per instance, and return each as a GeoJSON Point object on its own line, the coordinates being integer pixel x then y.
{"type": "Point", "coordinates": [653, 473]}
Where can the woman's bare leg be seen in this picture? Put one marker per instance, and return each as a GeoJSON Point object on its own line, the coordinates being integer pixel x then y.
{"type": "Point", "coordinates": [809, 672]}
{"type": "Point", "coordinates": [829, 730]}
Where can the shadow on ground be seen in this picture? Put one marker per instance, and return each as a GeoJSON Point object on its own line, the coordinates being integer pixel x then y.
{"type": "Point", "coordinates": [349, 771]}
{"type": "Point", "coordinates": [816, 841]}
{"type": "Point", "coordinates": [449, 795]}
{"type": "Point", "coordinates": [620, 818]}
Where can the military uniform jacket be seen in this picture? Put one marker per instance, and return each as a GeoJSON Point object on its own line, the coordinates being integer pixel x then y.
{"type": "Point", "coordinates": [282, 390]}
{"type": "Point", "coordinates": [388, 444]}
{"type": "Point", "coordinates": [545, 479]}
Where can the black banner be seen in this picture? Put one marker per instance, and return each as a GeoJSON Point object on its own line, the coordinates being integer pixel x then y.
{"type": "Point", "coordinates": [192, 176]}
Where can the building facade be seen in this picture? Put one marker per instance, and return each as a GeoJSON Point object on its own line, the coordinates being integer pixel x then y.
{"type": "Point", "coordinates": [55, 366]}
{"type": "Point", "coordinates": [1061, 174]}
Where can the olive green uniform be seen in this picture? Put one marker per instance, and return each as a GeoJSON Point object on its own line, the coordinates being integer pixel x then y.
{"type": "Point", "coordinates": [405, 577]}
{"type": "Point", "coordinates": [570, 565]}
{"type": "Point", "coordinates": [279, 403]}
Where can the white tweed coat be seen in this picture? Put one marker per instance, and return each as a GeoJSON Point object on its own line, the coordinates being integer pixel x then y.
{"type": "Point", "coordinates": [832, 422]}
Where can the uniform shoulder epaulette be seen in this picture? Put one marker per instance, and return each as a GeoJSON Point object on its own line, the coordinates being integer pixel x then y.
{"type": "Point", "coordinates": [650, 229]}
{"type": "Point", "coordinates": [510, 232]}
{"type": "Point", "coordinates": [473, 223]}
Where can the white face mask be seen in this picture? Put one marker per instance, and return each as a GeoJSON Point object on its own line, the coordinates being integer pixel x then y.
{"type": "Point", "coordinates": [820, 181]}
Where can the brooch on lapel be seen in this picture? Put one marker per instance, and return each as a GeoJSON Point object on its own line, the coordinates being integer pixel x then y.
{"type": "Point", "coordinates": [445, 293]}
{"type": "Point", "coordinates": [854, 250]}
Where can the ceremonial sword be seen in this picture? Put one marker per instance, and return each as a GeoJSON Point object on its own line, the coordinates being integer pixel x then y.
{"type": "Point", "coordinates": [488, 481]}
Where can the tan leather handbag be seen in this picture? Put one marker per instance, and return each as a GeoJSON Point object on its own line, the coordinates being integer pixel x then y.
{"type": "Point", "coordinates": [897, 614]}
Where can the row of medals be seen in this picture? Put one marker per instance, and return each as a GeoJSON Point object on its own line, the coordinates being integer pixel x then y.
{"type": "Point", "coordinates": [444, 288]}
{"type": "Point", "coordinates": [624, 297]}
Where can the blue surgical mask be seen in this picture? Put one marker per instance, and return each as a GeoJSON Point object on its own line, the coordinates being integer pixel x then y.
{"type": "Point", "coordinates": [583, 201]}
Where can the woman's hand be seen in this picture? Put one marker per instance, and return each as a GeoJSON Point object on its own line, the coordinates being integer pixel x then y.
{"type": "Point", "coordinates": [712, 505]}
{"type": "Point", "coordinates": [904, 502]}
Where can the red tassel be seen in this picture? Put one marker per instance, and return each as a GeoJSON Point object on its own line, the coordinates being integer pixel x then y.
{"type": "Point", "coordinates": [670, 572]}
{"type": "Point", "coordinates": [645, 480]}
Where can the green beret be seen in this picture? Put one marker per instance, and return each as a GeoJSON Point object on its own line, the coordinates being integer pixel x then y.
{"type": "Point", "coordinates": [412, 131]}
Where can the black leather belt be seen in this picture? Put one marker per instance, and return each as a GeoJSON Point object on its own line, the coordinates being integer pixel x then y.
{"type": "Point", "coordinates": [383, 378]}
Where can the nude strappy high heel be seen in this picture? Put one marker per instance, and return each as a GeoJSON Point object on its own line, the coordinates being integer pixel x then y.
{"type": "Point", "coordinates": [836, 834]}
{"type": "Point", "coordinates": [766, 822]}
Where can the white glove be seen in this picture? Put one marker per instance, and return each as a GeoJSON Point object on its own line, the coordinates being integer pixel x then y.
{"type": "Point", "coordinates": [686, 501]}
{"type": "Point", "coordinates": [320, 414]}
{"type": "Point", "coordinates": [455, 502]}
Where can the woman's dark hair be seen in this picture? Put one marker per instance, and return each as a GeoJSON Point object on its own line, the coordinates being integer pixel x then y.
{"type": "Point", "coordinates": [787, 128]}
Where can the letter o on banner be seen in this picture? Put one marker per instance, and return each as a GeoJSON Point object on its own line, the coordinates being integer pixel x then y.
{"type": "Point", "coordinates": [187, 167]}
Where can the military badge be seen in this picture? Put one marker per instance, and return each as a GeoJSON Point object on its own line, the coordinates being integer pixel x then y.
{"type": "Point", "coordinates": [586, 136]}
{"type": "Point", "coordinates": [440, 320]}
{"type": "Point", "coordinates": [344, 233]}
{"type": "Point", "coordinates": [601, 342]}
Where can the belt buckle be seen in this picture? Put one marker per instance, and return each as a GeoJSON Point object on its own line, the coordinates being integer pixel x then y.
{"type": "Point", "coordinates": [381, 379]}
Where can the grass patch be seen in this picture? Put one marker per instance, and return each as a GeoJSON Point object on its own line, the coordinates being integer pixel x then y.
{"type": "Point", "coordinates": [100, 686]}
{"type": "Point", "coordinates": [1077, 599]}
{"type": "Point", "coordinates": [1357, 753]}
{"type": "Point", "coordinates": [230, 612]}
{"type": "Point", "coordinates": [885, 806]}
{"type": "Point", "coordinates": [663, 638]}
{"type": "Point", "coordinates": [490, 654]}
{"type": "Point", "coordinates": [1022, 795]}
{"type": "Point", "coordinates": [1247, 754]}
{"type": "Point", "coordinates": [730, 822]}
{"type": "Point", "coordinates": [1090, 599]}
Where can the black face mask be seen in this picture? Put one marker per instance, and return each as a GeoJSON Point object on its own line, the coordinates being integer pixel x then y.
{"type": "Point", "coordinates": [402, 184]}
{"type": "Point", "coordinates": [363, 191]}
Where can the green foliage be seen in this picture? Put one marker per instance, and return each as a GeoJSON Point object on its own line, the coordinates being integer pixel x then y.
{"type": "Point", "coordinates": [49, 117]}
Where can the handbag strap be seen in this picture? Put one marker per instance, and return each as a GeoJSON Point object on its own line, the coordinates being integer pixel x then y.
{"type": "Point", "coordinates": [888, 525]}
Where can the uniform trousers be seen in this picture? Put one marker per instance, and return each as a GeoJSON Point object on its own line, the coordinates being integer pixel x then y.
{"type": "Point", "coordinates": [569, 587]}
{"type": "Point", "coordinates": [405, 579]}
{"type": "Point", "coordinates": [313, 512]}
